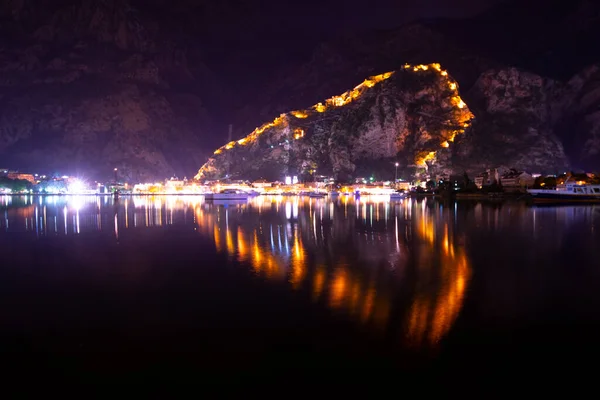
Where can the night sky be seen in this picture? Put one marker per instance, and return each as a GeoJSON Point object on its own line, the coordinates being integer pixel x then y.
{"type": "Point", "coordinates": [267, 34]}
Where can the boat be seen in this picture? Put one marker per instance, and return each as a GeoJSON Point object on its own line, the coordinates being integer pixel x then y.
{"type": "Point", "coordinates": [317, 194]}
{"type": "Point", "coordinates": [570, 192]}
{"type": "Point", "coordinates": [334, 193]}
{"type": "Point", "coordinates": [397, 195]}
{"type": "Point", "coordinates": [227, 194]}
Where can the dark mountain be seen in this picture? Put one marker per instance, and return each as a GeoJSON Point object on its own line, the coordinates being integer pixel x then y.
{"type": "Point", "coordinates": [548, 42]}
{"type": "Point", "coordinates": [148, 86]}
{"type": "Point", "coordinates": [414, 117]}
{"type": "Point", "coordinates": [90, 85]}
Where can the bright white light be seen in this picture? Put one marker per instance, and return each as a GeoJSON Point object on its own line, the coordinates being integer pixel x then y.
{"type": "Point", "coordinates": [76, 186]}
{"type": "Point", "coordinates": [294, 179]}
{"type": "Point", "coordinates": [288, 180]}
{"type": "Point", "coordinates": [76, 202]}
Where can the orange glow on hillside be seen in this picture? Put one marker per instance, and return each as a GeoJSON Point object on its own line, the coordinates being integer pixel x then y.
{"type": "Point", "coordinates": [335, 101]}
{"type": "Point", "coordinates": [320, 107]}
{"type": "Point", "coordinates": [299, 114]}
{"type": "Point", "coordinates": [461, 118]}
{"type": "Point", "coordinates": [423, 158]}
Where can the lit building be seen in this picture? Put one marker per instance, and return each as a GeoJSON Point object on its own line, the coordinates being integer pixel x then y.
{"type": "Point", "coordinates": [403, 185]}
{"type": "Point", "coordinates": [516, 180]}
{"type": "Point", "coordinates": [262, 183]}
{"type": "Point", "coordinates": [21, 176]}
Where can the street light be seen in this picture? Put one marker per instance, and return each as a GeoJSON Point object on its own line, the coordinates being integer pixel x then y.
{"type": "Point", "coordinates": [396, 177]}
{"type": "Point", "coordinates": [116, 169]}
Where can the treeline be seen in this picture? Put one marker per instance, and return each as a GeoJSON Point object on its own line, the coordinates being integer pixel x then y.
{"type": "Point", "coordinates": [15, 185]}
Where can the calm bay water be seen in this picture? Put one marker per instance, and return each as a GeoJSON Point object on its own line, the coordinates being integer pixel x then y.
{"type": "Point", "coordinates": [420, 285]}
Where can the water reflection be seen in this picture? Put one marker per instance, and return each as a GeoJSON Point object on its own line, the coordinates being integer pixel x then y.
{"type": "Point", "coordinates": [400, 268]}
{"type": "Point", "coordinates": [350, 256]}
{"type": "Point", "coordinates": [443, 266]}
{"type": "Point", "coordinates": [69, 215]}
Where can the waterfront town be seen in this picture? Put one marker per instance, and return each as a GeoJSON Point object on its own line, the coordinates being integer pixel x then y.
{"type": "Point", "coordinates": [490, 182]}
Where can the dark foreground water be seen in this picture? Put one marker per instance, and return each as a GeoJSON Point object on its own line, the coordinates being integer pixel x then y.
{"type": "Point", "coordinates": [155, 284]}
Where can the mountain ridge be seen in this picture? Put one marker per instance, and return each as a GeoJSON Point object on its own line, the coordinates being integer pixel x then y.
{"type": "Point", "coordinates": [469, 48]}
{"type": "Point", "coordinates": [90, 85]}
{"type": "Point", "coordinates": [409, 117]}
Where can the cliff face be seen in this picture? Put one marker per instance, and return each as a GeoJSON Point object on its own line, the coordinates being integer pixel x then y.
{"type": "Point", "coordinates": [90, 85]}
{"type": "Point", "coordinates": [580, 117]}
{"type": "Point", "coordinates": [525, 70]}
{"type": "Point", "coordinates": [403, 116]}
{"type": "Point", "coordinates": [416, 117]}
{"type": "Point", "coordinates": [517, 115]}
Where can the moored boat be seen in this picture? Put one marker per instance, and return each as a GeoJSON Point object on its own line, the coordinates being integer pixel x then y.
{"type": "Point", "coordinates": [571, 193]}
{"type": "Point", "coordinates": [227, 194]}
{"type": "Point", "coordinates": [317, 194]}
{"type": "Point", "coordinates": [397, 195]}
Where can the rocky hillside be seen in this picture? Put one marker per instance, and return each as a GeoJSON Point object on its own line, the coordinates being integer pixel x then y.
{"type": "Point", "coordinates": [526, 71]}
{"type": "Point", "coordinates": [86, 86]}
{"type": "Point", "coordinates": [415, 117]}
{"type": "Point", "coordinates": [580, 118]}
{"type": "Point", "coordinates": [515, 125]}
{"type": "Point", "coordinates": [89, 85]}
{"type": "Point", "coordinates": [412, 116]}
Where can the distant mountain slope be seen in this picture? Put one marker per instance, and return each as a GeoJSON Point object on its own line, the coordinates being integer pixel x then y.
{"type": "Point", "coordinates": [414, 117]}
{"type": "Point", "coordinates": [90, 85]}
{"type": "Point", "coordinates": [553, 40]}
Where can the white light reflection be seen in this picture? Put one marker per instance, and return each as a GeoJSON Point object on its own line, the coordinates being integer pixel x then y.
{"type": "Point", "coordinates": [75, 202]}
{"type": "Point", "coordinates": [397, 236]}
{"type": "Point", "coordinates": [288, 210]}
{"type": "Point", "coordinates": [271, 233]}
{"type": "Point", "coordinates": [65, 218]}
{"type": "Point", "coordinates": [116, 226]}
{"type": "Point", "coordinates": [295, 208]}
